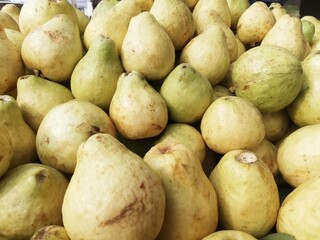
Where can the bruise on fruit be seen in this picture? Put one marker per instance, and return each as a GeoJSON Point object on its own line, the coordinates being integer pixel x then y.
{"type": "Point", "coordinates": [101, 138]}
{"type": "Point", "coordinates": [246, 87]}
{"type": "Point", "coordinates": [46, 140]}
{"type": "Point", "coordinates": [41, 176]}
{"type": "Point", "coordinates": [1, 157]}
{"type": "Point", "coordinates": [263, 167]}
{"type": "Point", "coordinates": [94, 130]}
{"type": "Point", "coordinates": [207, 195]}
{"type": "Point", "coordinates": [157, 126]}
{"type": "Point", "coordinates": [125, 212]}
{"type": "Point", "coordinates": [142, 186]}
{"type": "Point", "coordinates": [197, 217]}
{"type": "Point", "coordinates": [181, 171]}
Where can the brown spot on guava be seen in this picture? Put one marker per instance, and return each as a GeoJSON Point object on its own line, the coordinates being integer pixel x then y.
{"type": "Point", "coordinates": [126, 211]}
{"type": "Point", "coordinates": [165, 149]}
{"type": "Point", "coordinates": [152, 107]}
{"type": "Point", "coordinates": [180, 171]}
{"type": "Point", "coordinates": [54, 35]}
{"type": "Point", "coordinates": [185, 166]}
{"type": "Point", "coordinates": [100, 138]}
{"type": "Point", "coordinates": [246, 87]}
{"type": "Point", "coordinates": [157, 126]}
{"type": "Point", "coordinates": [142, 185]}
{"type": "Point", "coordinates": [197, 217]}
{"type": "Point", "coordinates": [46, 140]}
{"type": "Point", "coordinates": [41, 176]}
{"type": "Point", "coordinates": [94, 130]}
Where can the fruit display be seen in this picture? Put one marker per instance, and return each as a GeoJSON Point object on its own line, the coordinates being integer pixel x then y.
{"type": "Point", "coordinates": [159, 120]}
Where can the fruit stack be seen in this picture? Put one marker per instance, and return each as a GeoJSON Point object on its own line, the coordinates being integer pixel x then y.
{"type": "Point", "coordinates": [159, 119]}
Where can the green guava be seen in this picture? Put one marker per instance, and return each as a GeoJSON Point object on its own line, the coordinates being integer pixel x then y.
{"type": "Point", "coordinates": [268, 76]}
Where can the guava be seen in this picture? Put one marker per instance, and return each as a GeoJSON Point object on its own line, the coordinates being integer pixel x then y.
{"type": "Point", "coordinates": [268, 76]}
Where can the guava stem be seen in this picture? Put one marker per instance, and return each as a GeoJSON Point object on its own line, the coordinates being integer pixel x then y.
{"type": "Point", "coordinates": [246, 157]}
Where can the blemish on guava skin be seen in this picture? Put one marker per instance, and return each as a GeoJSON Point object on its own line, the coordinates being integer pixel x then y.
{"type": "Point", "coordinates": [246, 87]}
{"type": "Point", "coordinates": [142, 185]}
{"type": "Point", "coordinates": [165, 149]}
{"type": "Point", "coordinates": [41, 233]}
{"type": "Point", "coordinates": [54, 35]}
{"type": "Point", "coordinates": [40, 176]}
{"type": "Point", "coordinates": [152, 107]}
{"type": "Point", "coordinates": [185, 166]}
{"type": "Point", "coordinates": [57, 234]}
{"type": "Point", "coordinates": [126, 211]}
{"type": "Point", "coordinates": [99, 137]}
{"type": "Point", "coordinates": [46, 140]}
{"type": "Point", "coordinates": [157, 127]}
{"type": "Point", "coordinates": [94, 130]}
